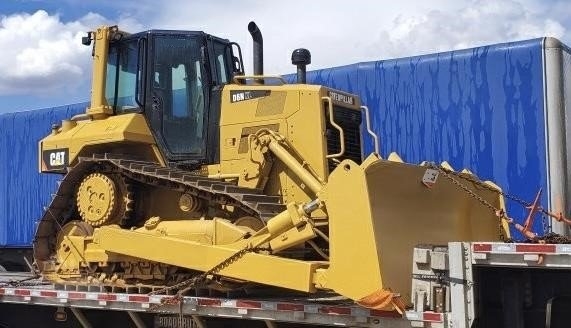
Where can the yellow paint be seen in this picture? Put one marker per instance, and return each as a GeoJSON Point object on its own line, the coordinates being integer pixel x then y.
{"type": "Point", "coordinates": [125, 134]}
{"type": "Point", "coordinates": [99, 107]}
{"type": "Point", "coordinates": [379, 211]}
{"type": "Point", "coordinates": [376, 212]}
{"type": "Point", "coordinates": [264, 269]}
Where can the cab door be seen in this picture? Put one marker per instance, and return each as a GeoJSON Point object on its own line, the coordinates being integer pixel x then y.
{"type": "Point", "coordinates": [177, 96]}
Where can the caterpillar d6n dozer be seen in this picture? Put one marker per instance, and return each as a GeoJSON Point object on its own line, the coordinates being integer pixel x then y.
{"type": "Point", "coordinates": [184, 172]}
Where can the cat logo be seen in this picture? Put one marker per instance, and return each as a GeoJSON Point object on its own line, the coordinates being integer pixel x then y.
{"type": "Point", "coordinates": [55, 159]}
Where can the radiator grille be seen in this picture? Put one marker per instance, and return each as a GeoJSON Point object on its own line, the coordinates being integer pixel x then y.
{"type": "Point", "coordinates": [350, 122]}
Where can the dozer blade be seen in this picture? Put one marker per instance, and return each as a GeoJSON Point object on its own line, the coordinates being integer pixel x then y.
{"type": "Point", "coordinates": [379, 211]}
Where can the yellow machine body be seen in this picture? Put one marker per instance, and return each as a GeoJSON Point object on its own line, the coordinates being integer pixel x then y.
{"type": "Point", "coordinates": [368, 215]}
{"type": "Point", "coordinates": [126, 134]}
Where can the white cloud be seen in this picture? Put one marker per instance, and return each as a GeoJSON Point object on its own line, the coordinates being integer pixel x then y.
{"type": "Point", "coordinates": [42, 54]}
{"type": "Point", "coordinates": [332, 30]}
{"type": "Point", "coordinates": [477, 23]}
{"type": "Point", "coordinates": [339, 34]}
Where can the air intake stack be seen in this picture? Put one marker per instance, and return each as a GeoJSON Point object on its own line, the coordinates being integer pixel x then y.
{"type": "Point", "coordinates": [301, 58]}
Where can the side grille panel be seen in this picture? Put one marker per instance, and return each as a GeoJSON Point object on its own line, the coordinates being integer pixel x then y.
{"type": "Point", "coordinates": [350, 122]}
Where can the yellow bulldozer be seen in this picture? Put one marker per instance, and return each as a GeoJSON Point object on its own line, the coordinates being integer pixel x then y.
{"type": "Point", "coordinates": [186, 173]}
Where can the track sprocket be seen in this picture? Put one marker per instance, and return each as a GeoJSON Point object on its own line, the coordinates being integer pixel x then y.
{"type": "Point", "coordinates": [103, 199]}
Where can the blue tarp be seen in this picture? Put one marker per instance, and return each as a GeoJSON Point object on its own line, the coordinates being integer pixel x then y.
{"type": "Point", "coordinates": [479, 108]}
{"type": "Point", "coordinates": [24, 191]}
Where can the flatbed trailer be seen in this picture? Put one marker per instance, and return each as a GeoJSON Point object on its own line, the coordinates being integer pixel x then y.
{"type": "Point", "coordinates": [459, 285]}
{"type": "Point", "coordinates": [94, 308]}
{"type": "Point", "coordinates": [493, 284]}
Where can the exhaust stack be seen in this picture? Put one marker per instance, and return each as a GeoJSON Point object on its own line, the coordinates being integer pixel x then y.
{"type": "Point", "coordinates": [258, 48]}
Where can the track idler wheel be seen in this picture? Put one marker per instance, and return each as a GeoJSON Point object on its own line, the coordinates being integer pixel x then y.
{"type": "Point", "coordinates": [69, 246]}
{"type": "Point", "coordinates": [189, 203]}
{"type": "Point", "coordinates": [103, 199]}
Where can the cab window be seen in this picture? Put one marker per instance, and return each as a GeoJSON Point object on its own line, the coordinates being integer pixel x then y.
{"type": "Point", "coordinates": [222, 59]}
{"type": "Point", "coordinates": [121, 79]}
{"type": "Point", "coordinates": [178, 82]}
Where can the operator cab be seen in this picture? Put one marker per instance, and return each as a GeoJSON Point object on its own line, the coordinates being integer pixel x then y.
{"type": "Point", "coordinates": [170, 77]}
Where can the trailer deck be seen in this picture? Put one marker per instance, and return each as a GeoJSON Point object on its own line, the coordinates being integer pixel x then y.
{"type": "Point", "coordinates": [319, 311]}
{"type": "Point", "coordinates": [481, 281]}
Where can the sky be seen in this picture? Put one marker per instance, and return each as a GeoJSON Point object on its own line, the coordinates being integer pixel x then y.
{"type": "Point", "coordinates": [43, 63]}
